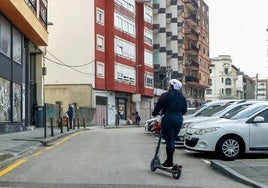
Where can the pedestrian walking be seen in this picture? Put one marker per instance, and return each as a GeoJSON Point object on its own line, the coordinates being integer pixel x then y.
{"type": "Point", "coordinates": [138, 119]}
{"type": "Point", "coordinates": [70, 114]}
{"type": "Point", "coordinates": [173, 106]}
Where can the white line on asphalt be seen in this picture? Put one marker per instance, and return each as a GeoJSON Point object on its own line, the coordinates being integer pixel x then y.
{"type": "Point", "coordinates": [206, 161]}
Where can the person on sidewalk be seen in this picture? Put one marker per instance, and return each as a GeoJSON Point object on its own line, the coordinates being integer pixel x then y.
{"type": "Point", "coordinates": [173, 106]}
{"type": "Point", "coordinates": [70, 114]}
{"type": "Point", "coordinates": [138, 119]}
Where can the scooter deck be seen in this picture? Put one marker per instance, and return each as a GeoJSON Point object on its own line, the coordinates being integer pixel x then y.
{"type": "Point", "coordinates": [169, 169]}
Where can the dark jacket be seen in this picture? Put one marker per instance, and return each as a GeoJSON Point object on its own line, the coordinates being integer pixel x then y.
{"type": "Point", "coordinates": [70, 112]}
{"type": "Point", "coordinates": [171, 102]}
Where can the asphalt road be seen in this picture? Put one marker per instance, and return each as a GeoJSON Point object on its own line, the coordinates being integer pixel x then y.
{"type": "Point", "coordinates": [110, 158]}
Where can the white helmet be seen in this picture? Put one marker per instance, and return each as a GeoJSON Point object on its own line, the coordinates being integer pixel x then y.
{"type": "Point", "coordinates": [177, 85]}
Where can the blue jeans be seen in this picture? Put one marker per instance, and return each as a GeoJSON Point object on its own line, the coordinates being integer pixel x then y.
{"type": "Point", "coordinates": [171, 126]}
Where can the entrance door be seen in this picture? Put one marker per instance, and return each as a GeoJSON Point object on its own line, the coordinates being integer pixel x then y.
{"type": "Point", "coordinates": [101, 111]}
{"type": "Point", "coordinates": [145, 112]}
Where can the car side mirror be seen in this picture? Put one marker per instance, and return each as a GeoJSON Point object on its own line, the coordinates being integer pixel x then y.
{"type": "Point", "coordinates": [258, 119]}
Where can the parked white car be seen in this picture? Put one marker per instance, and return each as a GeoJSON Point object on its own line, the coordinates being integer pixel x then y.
{"type": "Point", "coordinates": [225, 111]}
{"type": "Point", "coordinates": [246, 132]}
{"type": "Point", "coordinates": [207, 107]}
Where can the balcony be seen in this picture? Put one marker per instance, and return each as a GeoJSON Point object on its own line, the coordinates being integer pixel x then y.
{"type": "Point", "coordinates": [168, 35]}
{"type": "Point", "coordinates": [191, 49]}
{"type": "Point", "coordinates": [180, 25]}
{"type": "Point", "coordinates": [156, 8]}
{"type": "Point", "coordinates": [193, 65]}
{"type": "Point", "coordinates": [192, 79]}
{"type": "Point", "coordinates": [169, 53]}
{"type": "Point", "coordinates": [156, 28]}
{"type": "Point", "coordinates": [190, 4]}
{"type": "Point", "coordinates": [180, 42]}
{"type": "Point", "coordinates": [26, 15]}
{"type": "Point", "coordinates": [162, 49]}
{"type": "Point", "coordinates": [180, 9]}
{"type": "Point", "coordinates": [162, 10]}
{"type": "Point", "coordinates": [191, 33]}
{"type": "Point", "coordinates": [156, 46]}
{"type": "Point", "coordinates": [168, 17]}
{"type": "Point", "coordinates": [180, 58]}
{"type": "Point", "coordinates": [191, 18]}
{"type": "Point", "coordinates": [174, 20]}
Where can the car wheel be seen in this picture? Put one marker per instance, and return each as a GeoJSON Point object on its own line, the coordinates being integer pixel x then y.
{"type": "Point", "coordinates": [229, 148]}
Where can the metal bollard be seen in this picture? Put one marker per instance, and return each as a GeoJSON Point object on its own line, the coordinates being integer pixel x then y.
{"type": "Point", "coordinates": [67, 124]}
{"type": "Point", "coordinates": [84, 122]}
{"type": "Point", "coordinates": [74, 124]}
{"type": "Point", "coordinates": [61, 127]}
{"type": "Point", "coordinates": [51, 125]}
{"type": "Point", "coordinates": [78, 126]}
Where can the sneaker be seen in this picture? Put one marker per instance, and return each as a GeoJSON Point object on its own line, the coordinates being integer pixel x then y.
{"type": "Point", "coordinates": [167, 164]}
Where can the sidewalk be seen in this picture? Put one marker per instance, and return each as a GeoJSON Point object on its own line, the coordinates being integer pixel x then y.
{"type": "Point", "coordinates": [15, 145]}
{"type": "Point", "coordinates": [253, 172]}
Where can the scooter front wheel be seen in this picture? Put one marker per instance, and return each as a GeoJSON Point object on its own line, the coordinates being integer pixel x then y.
{"type": "Point", "coordinates": [177, 174]}
{"type": "Point", "coordinates": [153, 167]}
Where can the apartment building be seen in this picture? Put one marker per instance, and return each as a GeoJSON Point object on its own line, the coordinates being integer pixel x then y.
{"type": "Point", "coordinates": [23, 36]}
{"type": "Point", "coordinates": [223, 80]}
{"type": "Point", "coordinates": [261, 89]}
{"type": "Point", "coordinates": [100, 57]}
{"type": "Point", "coordinates": [181, 46]}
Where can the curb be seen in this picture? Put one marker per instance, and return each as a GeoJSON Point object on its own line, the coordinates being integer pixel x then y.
{"type": "Point", "coordinates": [47, 141]}
{"type": "Point", "coordinates": [216, 164]}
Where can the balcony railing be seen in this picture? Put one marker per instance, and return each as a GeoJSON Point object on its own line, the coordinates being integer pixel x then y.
{"type": "Point", "coordinates": [192, 64]}
{"type": "Point", "coordinates": [192, 79]}
{"type": "Point", "coordinates": [191, 4]}
{"type": "Point", "coordinates": [191, 17]}
{"type": "Point", "coordinates": [191, 33]}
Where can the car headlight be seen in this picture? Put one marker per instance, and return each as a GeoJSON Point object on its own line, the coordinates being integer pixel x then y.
{"type": "Point", "coordinates": [206, 130]}
{"type": "Point", "coordinates": [185, 125]}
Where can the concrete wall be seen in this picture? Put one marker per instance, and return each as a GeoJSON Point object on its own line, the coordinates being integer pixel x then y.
{"type": "Point", "coordinates": [80, 94]}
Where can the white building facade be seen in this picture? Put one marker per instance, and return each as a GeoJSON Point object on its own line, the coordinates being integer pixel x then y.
{"type": "Point", "coordinates": [224, 81]}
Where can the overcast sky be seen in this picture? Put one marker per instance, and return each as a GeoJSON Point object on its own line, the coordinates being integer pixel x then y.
{"type": "Point", "coordinates": [238, 28]}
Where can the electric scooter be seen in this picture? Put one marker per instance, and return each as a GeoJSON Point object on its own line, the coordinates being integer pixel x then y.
{"type": "Point", "coordinates": [156, 163]}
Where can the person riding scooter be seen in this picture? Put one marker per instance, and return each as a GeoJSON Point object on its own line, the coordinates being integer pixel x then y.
{"type": "Point", "coordinates": [173, 105]}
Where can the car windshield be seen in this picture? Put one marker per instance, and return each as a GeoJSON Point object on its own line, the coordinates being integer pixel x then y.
{"type": "Point", "coordinates": [231, 111]}
{"type": "Point", "coordinates": [214, 110]}
{"type": "Point", "coordinates": [248, 112]}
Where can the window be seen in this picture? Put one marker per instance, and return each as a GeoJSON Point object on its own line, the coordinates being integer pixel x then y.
{"type": "Point", "coordinates": [100, 43]}
{"type": "Point", "coordinates": [125, 74]}
{"type": "Point", "coordinates": [148, 37]}
{"type": "Point", "coordinates": [209, 91]}
{"type": "Point", "coordinates": [100, 70]}
{"type": "Point", "coordinates": [5, 104]}
{"type": "Point", "coordinates": [148, 58]}
{"type": "Point", "coordinates": [123, 23]}
{"type": "Point", "coordinates": [228, 91]}
{"type": "Point", "coordinates": [148, 17]}
{"type": "Point", "coordinates": [100, 16]}
{"type": "Point", "coordinates": [125, 48]}
{"type": "Point", "coordinates": [17, 102]}
{"type": "Point", "coordinates": [228, 81]}
{"type": "Point", "coordinates": [149, 80]}
{"type": "Point", "coordinates": [17, 46]}
{"type": "Point", "coordinates": [226, 70]}
{"type": "Point", "coordinates": [5, 36]}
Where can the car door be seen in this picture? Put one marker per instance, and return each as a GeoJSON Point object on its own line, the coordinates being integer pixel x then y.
{"type": "Point", "coordinates": [258, 133]}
